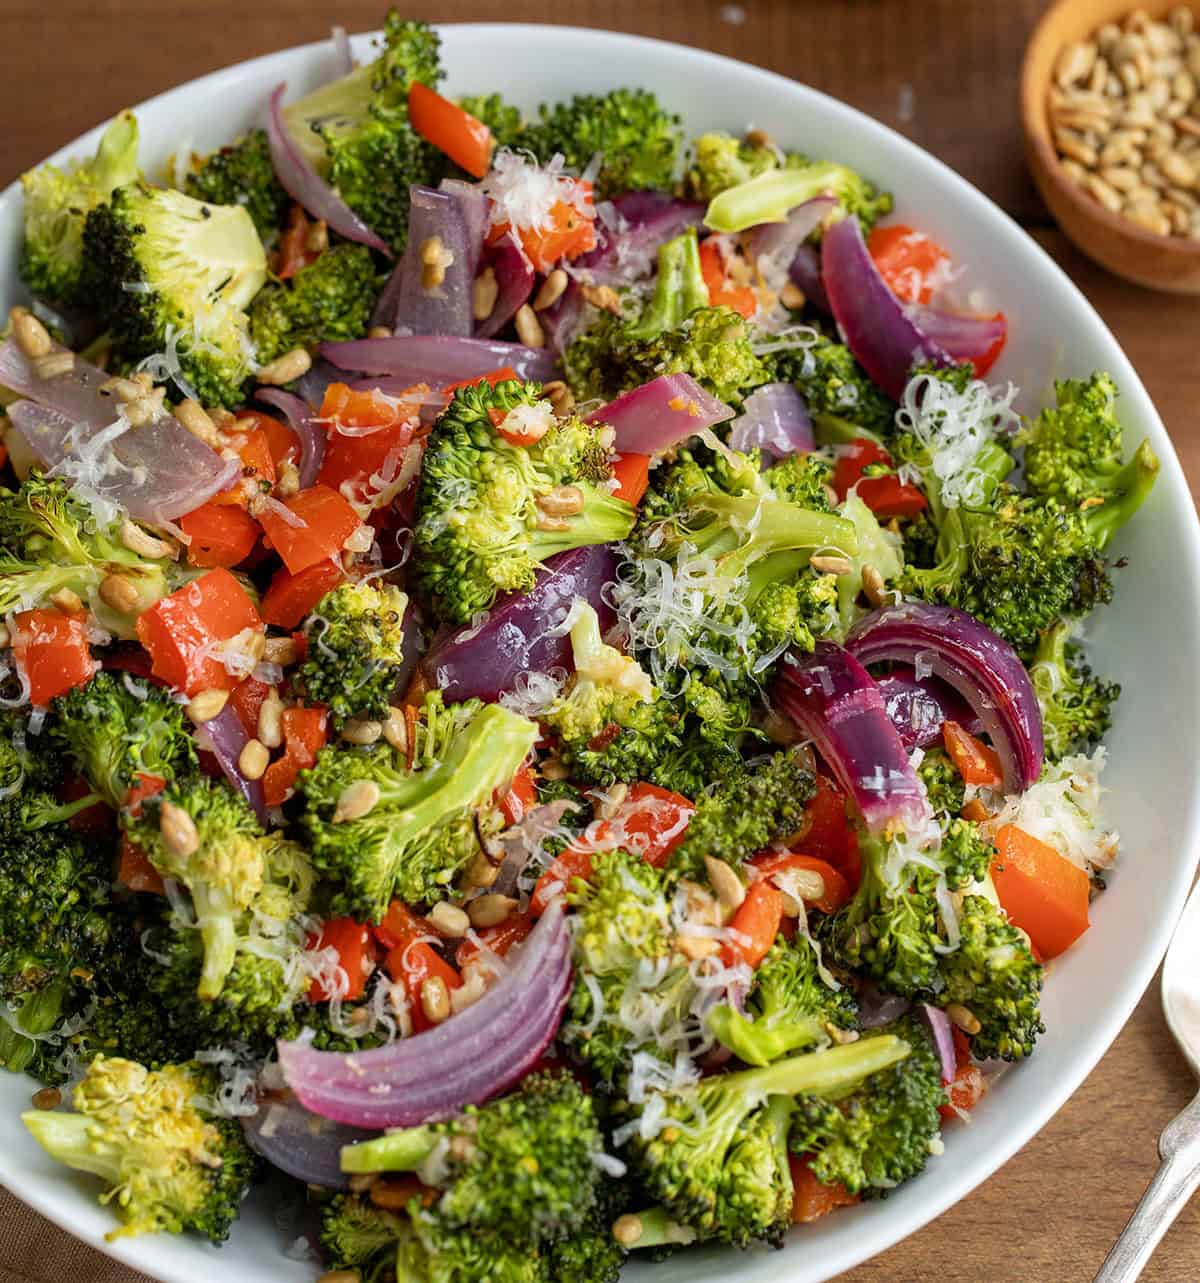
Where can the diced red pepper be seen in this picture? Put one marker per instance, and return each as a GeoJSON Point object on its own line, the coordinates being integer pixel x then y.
{"type": "Point", "coordinates": [355, 949]}
{"type": "Point", "coordinates": [909, 262]}
{"type": "Point", "coordinates": [1043, 892]}
{"type": "Point", "coordinates": [304, 735]}
{"type": "Point", "coordinates": [290, 597]}
{"type": "Point", "coordinates": [756, 924]}
{"type": "Point", "coordinates": [837, 890]}
{"type": "Point", "coordinates": [973, 759]}
{"type": "Point", "coordinates": [135, 871]}
{"type": "Point", "coordinates": [146, 785]}
{"type": "Point", "coordinates": [985, 359]}
{"type": "Point", "coordinates": [182, 631]}
{"type": "Point", "coordinates": [810, 1198]}
{"type": "Point", "coordinates": [294, 253]}
{"type": "Point", "coordinates": [221, 534]}
{"type": "Point", "coordinates": [722, 292]}
{"type": "Point", "coordinates": [632, 472]}
{"type": "Point", "coordinates": [411, 960]}
{"type": "Point", "coordinates": [95, 821]}
{"type": "Point", "coordinates": [853, 460]}
{"type": "Point", "coordinates": [282, 442]}
{"type": "Point", "coordinates": [246, 699]}
{"type": "Point", "coordinates": [891, 497]}
{"type": "Point", "coordinates": [503, 375]}
{"type": "Point", "coordinates": [827, 831]}
{"type": "Point", "coordinates": [568, 230]}
{"type": "Point", "coordinates": [454, 132]}
{"type": "Point", "coordinates": [253, 447]}
{"type": "Point", "coordinates": [353, 458]}
{"type": "Point", "coordinates": [519, 798]}
{"type": "Point", "coordinates": [52, 654]}
{"type": "Point", "coordinates": [967, 1087]}
{"type": "Point", "coordinates": [322, 521]}
{"type": "Point", "coordinates": [498, 939]}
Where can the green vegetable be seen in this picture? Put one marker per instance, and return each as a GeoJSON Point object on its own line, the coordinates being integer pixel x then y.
{"type": "Point", "coordinates": [502, 118]}
{"type": "Point", "coordinates": [242, 174]}
{"type": "Point", "coordinates": [836, 389]}
{"type": "Point", "coordinates": [943, 784]}
{"type": "Point", "coordinates": [1076, 704]}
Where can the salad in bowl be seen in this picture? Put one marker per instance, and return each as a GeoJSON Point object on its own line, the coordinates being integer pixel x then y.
{"type": "Point", "coordinates": [543, 696]}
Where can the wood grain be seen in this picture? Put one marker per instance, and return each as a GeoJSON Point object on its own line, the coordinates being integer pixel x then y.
{"type": "Point", "coordinates": [944, 72]}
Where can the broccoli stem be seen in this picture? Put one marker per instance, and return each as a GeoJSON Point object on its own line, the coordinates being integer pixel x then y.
{"type": "Point", "coordinates": [603, 520]}
{"type": "Point", "coordinates": [37, 1014]}
{"type": "Point", "coordinates": [400, 1151]}
{"type": "Point", "coordinates": [1126, 492]}
{"type": "Point", "coordinates": [653, 1227]}
{"type": "Point", "coordinates": [68, 1138]}
{"type": "Point", "coordinates": [218, 931]}
{"type": "Point", "coordinates": [759, 1044]}
{"type": "Point", "coordinates": [829, 1073]}
{"type": "Point", "coordinates": [678, 291]}
{"type": "Point", "coordinates": [770, 196]}
{"type": "Point", "coordinates": [746, 528]}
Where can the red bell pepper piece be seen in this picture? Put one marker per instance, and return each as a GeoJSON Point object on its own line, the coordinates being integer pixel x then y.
{"type": "Point", "coordinates": [290, 597]}
{"type": "Point", "coordinates": [498, 939]}
{"type": "Point", "coordinates": [221, 534]}
{"type": "Point", "coordinates": [568, 230]}
{"type": "Point", "coordinates": [355, 949]}
{"type": "Point", "coordinates": [304, 736]}
{"type": "Point", "coordinates": [1042, 892]}
{"type": "Point", "coordinates": [810, 1198]}
{"type": "Point", "coordinates": [757, 923]}
{"type": "Point", "coordinates": [353, 459]}
{"type": "Point", "coordinates": [519, 798]}
{"type": "Point", "coordinates": [51, 650]}
{"type": "Point", "coordinates": [909, 262]}
{"type": "Point", "coordinates": [837, 890]}
{"type": "Point", "coordinates": [246, 699]}
{"type": "Point", "coordinates": [722, 292]}
{"type": "Point", "coordinates": [454, 132]}
{"type": "Point", "coordinates": [322, 521]}
{"type": "Point", "coordinates": [632, 472]}
{"type": "Point", "coordinates": [973, 759]}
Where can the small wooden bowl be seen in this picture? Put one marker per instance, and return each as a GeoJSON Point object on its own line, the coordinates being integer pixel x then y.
{"type": "Point", "coordinates": [1162, 262]}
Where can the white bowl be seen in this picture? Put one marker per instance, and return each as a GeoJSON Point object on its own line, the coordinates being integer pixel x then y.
{"type": "Point", "coordinates": [1148, 638]}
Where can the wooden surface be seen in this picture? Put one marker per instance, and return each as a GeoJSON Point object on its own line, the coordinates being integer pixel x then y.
{"type": "Point", "coordinates": [944, 72]}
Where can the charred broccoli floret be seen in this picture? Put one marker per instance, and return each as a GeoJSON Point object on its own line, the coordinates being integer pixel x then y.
{"type": "Point", "coordinates": [167, 1163]}
{"type": "Point", "coordinates": [58, 201]}
{"type": "Point", "coordinates": [502, 118]}
{"type": "Point", "coordinates": [943, 784]}
{"type": "Point", "coordinates": [242, 174]}
{"type": "Point", "coordinates": [1076, 704]}
{"type": "Point", "coordinates": [832, 382]}
{"type": "Point", "coordinates": [489, 512]}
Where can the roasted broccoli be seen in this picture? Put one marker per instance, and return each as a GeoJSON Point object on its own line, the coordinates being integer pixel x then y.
{"type": "Point", "coordinates": [803, 479]}
{"type": "Point", "coordinates": [832, 382]}
{"type": "Point", "coordinates": [167, 1162]}
{"type": "Point", "coordinates": [790, 1006]}
{"type": "Point", "coordinates": [522, 1164]}
{"type": "Point", "coordinates": [328, 301]}
{"type": "Point", "coordinates": [356, 134]}
{"type": "Point", "coordinates": [355, 650]}
{"type": "Point", "coordinates": [638, 142]}
{"type": "Point", "coordinates": [1076, 704]}
{"type": "Point", "coordinates": [57, 202]}
{"type": "Point", "coordinates": [502, 118]}
{"type": "Point", "coordinates": [379, 829]}
{"type": "Point", "coordinates": [117, 728]}
{"type": "Point", "coordinates": [1074, 453]}
{"type": "Point", "coordinates": [719, 1161]}
{"type": "Point", "coordinates": [719, 161]}
{"type": "Point", "coordinates": [242, 174]}
{"type": "Point", "coordinates": [51, 540]}
{"type": "Point", "coordinates": [489, 512]}
{"type": "Point", "coordinates": [943, 784]}
{"type": "Point", "coordinates": [879, 1134]}
{"type": "Point", "coordinates": [171, 272]}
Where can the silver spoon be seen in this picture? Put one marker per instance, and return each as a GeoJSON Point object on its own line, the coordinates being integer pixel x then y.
{"type": "Point", "coordinates": [1179, 1145]}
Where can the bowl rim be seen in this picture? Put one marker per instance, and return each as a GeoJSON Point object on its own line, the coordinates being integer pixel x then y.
{"type": "Point", "coordinates": [1046, 163]}
{"type": "Point", "coordinates": [871, 1239]}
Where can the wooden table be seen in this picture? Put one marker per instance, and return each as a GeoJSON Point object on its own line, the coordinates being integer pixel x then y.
{"type": "Point", "coordinates": [943, 72]}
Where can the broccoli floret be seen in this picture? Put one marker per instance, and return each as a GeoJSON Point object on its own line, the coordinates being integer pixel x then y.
{"type": "Point", "coordinates": [720, 1164]}
{"type": "Point", "coordinates": [329, 301]}
{"type": "Point", "coordinates": [880, 1134]}
{"type": "Point", "coordinates": [802, 479]}
{"type": "Point", "coordinates": [638, 142]}
{"type": "Point", "coordinates": [943, 784]}
{"type": "Point", "coordinates": [57, 201]}
{"type": "Point", "coordinates": [242, 174]}
{"type": "Point", "coordinates": [355, 131]}
{"type": "Point", "coordinates": [679, 289]}
{"type": "Point", "coordinates": [1076, 704]}
{"type": "Point", "coordinates": [380, 830]}
{"type": "Point", "coordinates": [965, 854]}
{"type": "Point", "coordinates": [490, 512]}
{"type": "Point", "coordinates": [789, 1007]}
{"type": "Point", "coordinates": [167, 1163]}
{"type": "Point", "coordinates": [51, 540]}
{"type": "Point", "coordinates": [522, 1164]}
{"type": "Point", "coordinates": [762, 803]}
{"type": "Point", "coordinates": [117, 728]}
{"type": "Point", "coordinates": [502, 118]}
{"type": "Point", "coordinates": [355, 650]}
{"type": "Point", "coordinates": [995, 977]}
{"type": "Point", "coordinates": [167, 269]}
{"type": "Point", "coordinates": [833, 384]}
{"type": "Point", "coordinates": [746, 185]}
{"type": "Point", "coordinates": [1074, 452]}
{"type": "Point", "coordinates": [205, 836]}
{"type": "Point", "coordinates": [357, 1235]}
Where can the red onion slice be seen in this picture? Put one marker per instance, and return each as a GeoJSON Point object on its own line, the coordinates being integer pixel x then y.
{"type": "Point", "coordinates": [943, 1039]}
{"type": "Point", "coordinates": [514, 279]}
{"type": "Point", "coordinates": [964, 338]}
{"type": "Point", "coordinates": [884, 339]}
{"type": "Point", "coordinates": [773, 246]}
{"type": "Point", "coordinates": [563, 321]}
{"type": "Point", "coordinates": [983, 668]}
{"type": "Point", "coordinates": [775, 420]}
{"type": "Point", "coordinates": [300, 1143]}
{"type": "Point", "coordinates": [224, 737]}
{"type": "Point", "coordinates": [470, 1058]}
{"type": "Point", "coordinates": [630, 230]}
{"type": "Point", "coordinates": [520, 635]}
{"type": "Point", "coordinates": [661, 414]}
{"type": "Point", "coordinates": [438, 360]}
{"type": "Point", "coordinates": [473, 205]}
{"type": "Point", "coordinates": [876, 1008]}
{"type": "Point", "coordinates": [343, 59]}
{"type": "Point", "coordinates": [805, 272]}
{"type": "Point", "coordinates": [309, 432]}
{"type": "Point", "coordinates": [303, 184]}
{"type": "Point", "coordinates": [834, 700]}
{"type": "Point", "coordinates": [919, 706]}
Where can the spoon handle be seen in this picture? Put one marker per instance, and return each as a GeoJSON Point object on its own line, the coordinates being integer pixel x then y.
{"type": "Point", "coordinates": [1165, 1197]}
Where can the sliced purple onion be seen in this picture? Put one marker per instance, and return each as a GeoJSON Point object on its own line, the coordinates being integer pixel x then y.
{"type": "Point", "coordinates": [918, 706]}
{"type": "Point", "coordinates": [562, 322]}
{"type": "Point", "coordinates": [473, 204]}
{"type": "Point", "coordinates": [876, 1008]}
{"type": "Point", "coordinates": [834, 700]}
{"type": "Point", "coordinates": [466, 1060]}
{"type": "Point", "coordinates": [301, 1143]}
{"type": "Point", "coordinates": [309, 432]}
{"type": "Point", "coordinates": [521, 634]}
{"type": "Point", "coordinates": [775, 420]}
{"type": "Point", "coordinates": [408, 305]}
{"type": "Point", "coordinates": [439, 360]}
{"type": "Point", "coordinates": [982, 667]}
{"type": "Point", "coordinates": [343, 59]}
{"type": "Point", "coordinates": [164, 470]}
{"type": "Point", "coordinates": [885, 340]}
{"type": "Point", "coordinates": [224, 737]}
{"type": "Point", "coordinates": [661, 414]}
{"type": "Point", "coordinates": [773, 246]}
{"type": "Point", "coordinates": [962, 337]}
{"type": "Point", "coordinates": [630, 230]}
{"type": "Point", "coordinates": [311, 386]}
{"type": "Point", "coordinates": [943, 1039]}
{"type": "Point", "coordinates": [805, 273]}
{"type": "Point", "coordinates": [303, 184]}
{"type": "Point", "coordinates": [514, 279]}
